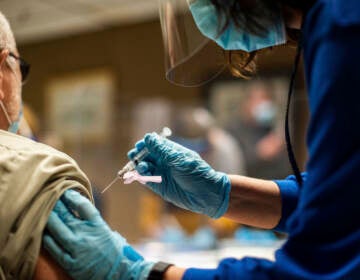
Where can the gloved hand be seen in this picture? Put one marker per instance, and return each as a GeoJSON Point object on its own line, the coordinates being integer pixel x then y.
{"type": "Point", "coordinates": [187, 180]}
{"type": "Point", "coordinates": [86, 247]}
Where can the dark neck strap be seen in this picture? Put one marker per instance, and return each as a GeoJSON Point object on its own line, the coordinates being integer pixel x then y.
{"type": "Point", "coordinates": [289, 147]}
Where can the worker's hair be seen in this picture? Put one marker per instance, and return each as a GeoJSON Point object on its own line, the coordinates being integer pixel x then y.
{"type": "Point", "coordinates": [253, 16]}
{"type": "Point", "coordinates": [7, 39]}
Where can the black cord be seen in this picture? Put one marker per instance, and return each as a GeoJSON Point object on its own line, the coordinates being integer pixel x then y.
{"type": "Point", "coordinates": [289, 147]}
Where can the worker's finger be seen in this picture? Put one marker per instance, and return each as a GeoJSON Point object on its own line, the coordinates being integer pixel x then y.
{"type": "Point", "coordinates": [140, 145]}
{"type": "Point", "coordinates": [132, 153]}
{"type": "Point", "coordinates": [63, 212]}
{"type": "Point", "coordinates": [145, 168]}
{"type": "Point", "coordinates": [61, 256]}
{"type": "Point", "coordinates": [157, 145]}
{"type": "Point", "coordinates": [60, 231]}
{"type": "Point", "coordinates": [81, 205]}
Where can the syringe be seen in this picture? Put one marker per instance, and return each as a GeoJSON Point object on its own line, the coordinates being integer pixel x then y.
{"type": "Point", "coordinates": [166, 132]}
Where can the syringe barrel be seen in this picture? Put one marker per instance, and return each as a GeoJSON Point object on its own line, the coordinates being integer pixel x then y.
{"type": "Point", "coordinates": [140, 156]}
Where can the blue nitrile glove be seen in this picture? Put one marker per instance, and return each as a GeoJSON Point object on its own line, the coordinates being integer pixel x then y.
{"type": "Point", "coordinates": [86, 247]}
{"type": "Point", "coordinates": [187, 180]}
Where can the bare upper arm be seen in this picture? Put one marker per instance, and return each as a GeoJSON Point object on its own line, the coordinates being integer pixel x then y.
{"type": "Point", "coordinates": [47, 269]}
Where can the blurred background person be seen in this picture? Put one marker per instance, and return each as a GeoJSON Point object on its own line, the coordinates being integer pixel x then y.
{"type": "Point", "coordinates": [195, 128]}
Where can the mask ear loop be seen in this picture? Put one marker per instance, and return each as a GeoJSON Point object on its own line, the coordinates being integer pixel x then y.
{"type": "Point", "coordinates": [289, 147]}
{"type": "Point", "coordinates": [11, 123]}
{"type": "Point", "coordinates": [5, 112]}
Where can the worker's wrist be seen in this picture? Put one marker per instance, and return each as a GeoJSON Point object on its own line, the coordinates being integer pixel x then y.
{"type": "Point", "coordinates": [224, 197]}
{"type": "Point", "coordinates": [174, 273]}
{"type": "Point", "coordinates": [158, 270]}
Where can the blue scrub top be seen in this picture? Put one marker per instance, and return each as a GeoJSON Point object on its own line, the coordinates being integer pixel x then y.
{"type": "Point", "coordinates": [323, 217]}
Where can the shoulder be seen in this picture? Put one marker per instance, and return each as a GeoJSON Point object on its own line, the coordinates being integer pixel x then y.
{"type": "Point", "coordinates": [222, 139]}
{"type": "Point", "coordinates": [340, 13]}
{"type": "Point", "coordinates": [11, 143]}
{"type": "Point", "coordinates": [346, 12]}
{"type": "Point", "coordinates": [20, 155]}
{"type": "Point", "coordinates": [331, 26]}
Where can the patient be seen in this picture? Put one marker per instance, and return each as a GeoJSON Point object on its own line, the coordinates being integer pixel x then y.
{"type": "Point", "coordinates": [32, 178]}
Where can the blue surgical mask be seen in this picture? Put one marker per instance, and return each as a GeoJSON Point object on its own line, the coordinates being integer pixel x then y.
{"type": "Point", "coordinates": [13, 125]}
{"type": "Point", "coordinates": [206, 19]}
{"type": "Point", "coordinates": [264, 113]}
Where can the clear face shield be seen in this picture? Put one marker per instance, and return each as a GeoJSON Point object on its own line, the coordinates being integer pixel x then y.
{"type": "Point", "coordinates": [195, 43]}
{"type": "Point", "coordinates": [187, 50]}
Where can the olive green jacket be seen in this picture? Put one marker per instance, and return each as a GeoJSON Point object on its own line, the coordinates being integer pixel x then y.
{"type": "Point", "coordinates": [32, 178]}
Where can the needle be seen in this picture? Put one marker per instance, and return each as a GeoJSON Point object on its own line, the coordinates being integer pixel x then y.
{"type": "Point", "coordinates": [118, 176]}
{"type": "Point", "coordinates": [133, 162]}
{"type": "Point", "coordinates": [112, 183]}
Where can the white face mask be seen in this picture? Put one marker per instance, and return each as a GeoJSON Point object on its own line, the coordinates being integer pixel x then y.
{"type": "Point", "coordinates": [13, 125]}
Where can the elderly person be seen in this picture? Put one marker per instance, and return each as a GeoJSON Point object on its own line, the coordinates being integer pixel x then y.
{"type": "Point", "coordinates": [33, 177]}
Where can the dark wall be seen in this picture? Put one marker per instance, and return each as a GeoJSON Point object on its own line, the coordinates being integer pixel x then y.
{"type": "Point", "coordinates": [134, 53]}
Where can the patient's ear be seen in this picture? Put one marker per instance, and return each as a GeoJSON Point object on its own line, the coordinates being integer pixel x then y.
{"type": "Point", "coordinates": [3, 56]}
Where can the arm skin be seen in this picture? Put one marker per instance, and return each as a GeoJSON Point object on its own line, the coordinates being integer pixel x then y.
{"type": "Point", "coordinates": [47, 269]}
{"type": "Point", "coordinates": [253, 202]}
{"type": "Point", "coordinates": [174, 273]}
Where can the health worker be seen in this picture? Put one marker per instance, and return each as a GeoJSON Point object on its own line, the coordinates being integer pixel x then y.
{"type": "Point", "coordinates": [319, 209]}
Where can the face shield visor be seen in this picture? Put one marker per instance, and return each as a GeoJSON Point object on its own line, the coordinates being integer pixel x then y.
{"type": "Point", "coordinates": [195, 44]}
{"type": "Point", "coordinates": [191, 59]}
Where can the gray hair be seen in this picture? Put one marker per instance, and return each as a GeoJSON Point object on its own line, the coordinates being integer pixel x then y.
{"type": "Point", "coordinates": [7, 39]}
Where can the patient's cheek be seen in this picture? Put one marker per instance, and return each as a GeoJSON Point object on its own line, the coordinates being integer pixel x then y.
{"type": "Point", "coordinates": [48, 269]}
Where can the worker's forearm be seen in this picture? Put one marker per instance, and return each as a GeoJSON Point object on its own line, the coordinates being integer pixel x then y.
{"type": "Point", "coordinates": [254, 202]}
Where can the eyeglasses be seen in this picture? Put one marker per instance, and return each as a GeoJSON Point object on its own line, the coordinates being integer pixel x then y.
{"type": "Point", "coordinates": [24, 67]}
